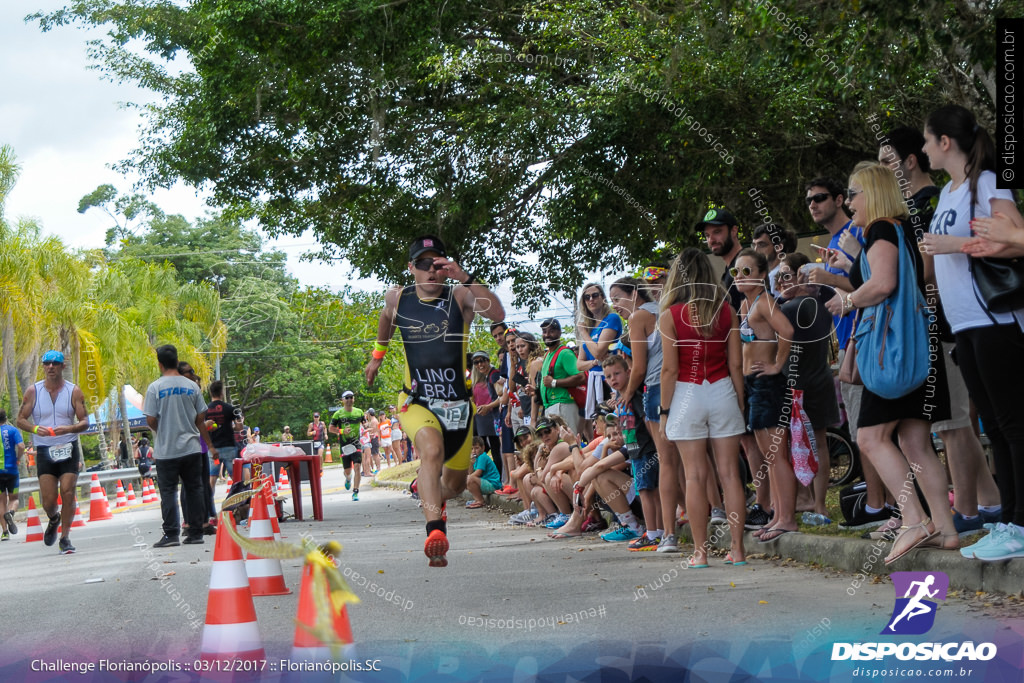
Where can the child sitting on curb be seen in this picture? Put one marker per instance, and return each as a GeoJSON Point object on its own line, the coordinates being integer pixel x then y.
{"type": "Point", "coordinates": [484, 479]}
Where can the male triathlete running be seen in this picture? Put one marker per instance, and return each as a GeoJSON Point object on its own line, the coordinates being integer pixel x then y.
{"type": "Point", "coordinates": [345, 423]}
{"type": "Point", "coordinates": [434, 407]}
{"type": "Point", "coordinates": [53, 409]}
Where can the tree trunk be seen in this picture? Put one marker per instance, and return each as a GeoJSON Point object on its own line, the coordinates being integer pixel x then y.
{"type": "Point", "coordinates": [10, 370]}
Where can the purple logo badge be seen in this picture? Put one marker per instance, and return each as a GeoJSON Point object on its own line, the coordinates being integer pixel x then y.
{"type": "Point", "coordinates": [916, 593]}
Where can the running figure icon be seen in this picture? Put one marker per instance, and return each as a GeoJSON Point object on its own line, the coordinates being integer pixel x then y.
{"type": "Point", "coordinates": [916, 607]}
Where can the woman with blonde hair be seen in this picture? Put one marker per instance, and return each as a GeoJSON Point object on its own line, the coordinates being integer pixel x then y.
{"type": "Point", "coordinates": [702, 394]}
{"type": "Point", "coordinates": [598, 327]}
{"type": "Point", "coordinates": [879, 208]}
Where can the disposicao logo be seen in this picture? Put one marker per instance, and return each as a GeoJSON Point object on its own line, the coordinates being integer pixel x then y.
{"type": "Point", "coordinates": [914, 614]}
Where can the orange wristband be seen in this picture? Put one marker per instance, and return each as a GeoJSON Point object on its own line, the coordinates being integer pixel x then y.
{"type": "Point", "coordinates": [378, 355]}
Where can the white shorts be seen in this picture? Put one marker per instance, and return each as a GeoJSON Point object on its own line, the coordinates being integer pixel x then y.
{"type": "Point", "coordinates": [595, 393]}
{"type": "Point", "coordinates": [703, 411]}
{"type": "Point", "coordinates": [959, 399]}
{"type": "Point", "coordinates": [385, 442]}
{"type": "Point", "coordinates": [396, 435]}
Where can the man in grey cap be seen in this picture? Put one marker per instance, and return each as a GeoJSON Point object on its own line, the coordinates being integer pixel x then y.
{"type": "Point", "coordinates": [53, 409]}
{"type": "Point", "coordinates": [558, 373]}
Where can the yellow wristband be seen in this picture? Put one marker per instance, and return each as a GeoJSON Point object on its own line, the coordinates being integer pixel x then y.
{"type": "Point", "coordinates": [35, 430]}
{"type": "Point", "coordinates": [377, 346]}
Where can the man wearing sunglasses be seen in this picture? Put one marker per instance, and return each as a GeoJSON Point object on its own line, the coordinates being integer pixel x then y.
{"type": "Point", "coordinates": [54, 411]}
{"type": "Point", "coordinates": [434, 406]}
{"type": "Point", "coordinates": [721, 232]}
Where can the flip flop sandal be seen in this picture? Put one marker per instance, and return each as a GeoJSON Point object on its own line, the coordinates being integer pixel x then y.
{"type": "Point", "coordinates": [917, 544]}
{"type": "Point", "coordinates": [768, 538]}
{"type": "Point", "coordinates": [729, 560]}
{"type": "Point", "coordinates": [560, 535]}
{"type": "Point", "coordinates": [692, 564]}
{"type": "Point", "coordinates": [473, 505]}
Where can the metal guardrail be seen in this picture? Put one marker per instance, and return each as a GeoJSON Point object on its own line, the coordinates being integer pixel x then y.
{"type": "Point", "coordinates": [31, 484]}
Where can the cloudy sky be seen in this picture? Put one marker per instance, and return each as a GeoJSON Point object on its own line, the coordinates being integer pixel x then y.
{"type": "Point", "coordinates": [67, 126]}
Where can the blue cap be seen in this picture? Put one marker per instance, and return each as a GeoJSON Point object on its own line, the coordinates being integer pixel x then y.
{"type": "Point", "coordinates": [53, 356]}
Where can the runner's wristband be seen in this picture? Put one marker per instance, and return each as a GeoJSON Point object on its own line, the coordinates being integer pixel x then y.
{"type": "Point", "coordinates": [378, 355]}
{"type": "Point", "coordinates": [471, 280]}
{"type": "Point", "coordinates": [663, 411]}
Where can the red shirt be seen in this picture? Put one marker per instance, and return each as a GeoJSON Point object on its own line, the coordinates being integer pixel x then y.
{"type": "Point", "coordinates": [702, 359]}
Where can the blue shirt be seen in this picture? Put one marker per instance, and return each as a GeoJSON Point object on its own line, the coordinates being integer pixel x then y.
{"type": "Point", "coordinates": [612, 321]}
{"type": "Point", "coordinates": [490, 472]}
{"type": "Point", "coordinates": [10, 437]}
{"type": "Point", "coordinates": [844, 324]}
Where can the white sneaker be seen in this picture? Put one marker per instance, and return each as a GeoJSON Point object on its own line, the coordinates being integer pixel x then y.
{"type": "Point", "coordinates": [1005, 544]}
{"type": "Point", "coordinates": [718, 516]}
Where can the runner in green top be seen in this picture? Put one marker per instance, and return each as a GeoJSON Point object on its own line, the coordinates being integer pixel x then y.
{"type": "Point", "coordinates": [345, 423]}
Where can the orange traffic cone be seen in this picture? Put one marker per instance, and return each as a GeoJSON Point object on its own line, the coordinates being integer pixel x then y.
{"type": "Point", "coordinates": [131, 494]}
{"type": "Point", "coordinates": [265, 575]}
{"type": "Point", "coordinates": [148, 493]}
{"type": "Point", "coordinates": [231, 631]}
{"type": "Point", "coordinates": [79, 520]}
{"type": "Point", "coordinates": [272, 510]}
{"type": "Point", "coordinates": [307, 647]}
{"type": "Point", "coordinates": [283, 479]}
{"type": "Point", "coordinates": [328, 457]}
{"type": "Point", "coordinates": [33, 529]}
{"type": "Point", "coordinates": [122, 500]}
{"type": "Point", "coordinates": [98, 508]}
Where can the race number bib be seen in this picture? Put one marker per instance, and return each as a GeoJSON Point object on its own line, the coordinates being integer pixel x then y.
{"type": "Point", "coordinates": [453, 415]}
{"type": "Point", "coordinates": [58, 453]}
{"type": "Point", "coordinates": [348, 449]}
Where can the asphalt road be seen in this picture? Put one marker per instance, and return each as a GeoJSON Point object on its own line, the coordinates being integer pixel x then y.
{"type": "Point", "coordinates": [512, 604]}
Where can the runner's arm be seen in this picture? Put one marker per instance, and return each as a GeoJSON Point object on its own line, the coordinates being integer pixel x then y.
{"type": "Point", "coordinates": [385, 330]}
{"type": "Point", "coordinates": [28, 404]}
{"type": "Point", "coordinates": [78, 401]}
{"type": "Point", "coordinates": [475, 297]}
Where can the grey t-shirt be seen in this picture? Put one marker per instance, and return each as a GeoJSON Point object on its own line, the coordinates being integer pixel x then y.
{"type": "Point", "coordinates": [175, 401]}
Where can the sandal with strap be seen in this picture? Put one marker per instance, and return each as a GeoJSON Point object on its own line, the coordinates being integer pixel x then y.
{"type": "Point", "coordinates": [904, 531]}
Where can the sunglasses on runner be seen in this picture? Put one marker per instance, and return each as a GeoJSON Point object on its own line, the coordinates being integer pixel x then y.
{"type": "Point", "coordinates": [51, 362]}
{"type": "Point", "coordinates": [425, 264]}
{"type": "Point", "coordinates": [744, 271]}
{"type": "Point", "coordinates": [817, 198]}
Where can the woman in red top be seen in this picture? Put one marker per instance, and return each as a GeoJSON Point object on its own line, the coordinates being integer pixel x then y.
{"type": "Point", "coordinates": [702, 394]}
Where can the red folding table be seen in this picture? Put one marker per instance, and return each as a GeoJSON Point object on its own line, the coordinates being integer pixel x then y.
{"type": "Point", "coordinates": [293, 457]}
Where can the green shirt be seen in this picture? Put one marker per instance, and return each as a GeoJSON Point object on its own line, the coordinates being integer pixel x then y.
{"type": "Point", "coordinates": [565, 366]}
{"type": "Point", "coordinates": [348, 422]}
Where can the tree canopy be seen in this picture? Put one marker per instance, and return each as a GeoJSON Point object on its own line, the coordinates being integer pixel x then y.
{"type": "Point", "coordinates": [540, 140]}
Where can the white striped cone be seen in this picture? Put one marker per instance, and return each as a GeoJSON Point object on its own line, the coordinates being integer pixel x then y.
{"type": "Point", "coordinates": [284, 478]}
{"type": "Point", "coordinates": [231, 631]}
{"type": "Point", "coordinates": [272, 511]}
{"type": "Point", "coordinates": [98, 507]}
{"type": "Point", "coordinates": [33, 529]}
{"type": "Point", "coordinates": [79, 520]}
{"type": "Point", "coordinates": [265, 575]}
{"type": "Point", "coordinates": [131, 494]}
{"type": "Point", "coordinates": [148, 494]}
{"type": "Point", "coordinates": [122, 500]}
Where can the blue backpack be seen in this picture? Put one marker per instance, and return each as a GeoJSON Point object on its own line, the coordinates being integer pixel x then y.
{"type": "Point", "coordinates": [892, 336]}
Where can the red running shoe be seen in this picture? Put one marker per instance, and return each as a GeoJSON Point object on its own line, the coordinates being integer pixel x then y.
{"type": "Point", "coordinates": [436, 548]}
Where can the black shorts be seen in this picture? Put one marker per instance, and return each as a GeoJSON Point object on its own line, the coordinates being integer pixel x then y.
{"type": "Point", "coordinates": [375, 446]}
{"type": "Point", "coordinates": [767, 397]}
{"type": "Point", "coordinates": [57, 469]}
{"type": "Point", "coordinates": [9, 482]}
{"type": "Point", "coordinates": [357, 457]}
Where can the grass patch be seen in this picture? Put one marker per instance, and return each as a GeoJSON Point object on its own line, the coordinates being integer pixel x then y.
{"type": "Point", "coordinates": [405, 472]}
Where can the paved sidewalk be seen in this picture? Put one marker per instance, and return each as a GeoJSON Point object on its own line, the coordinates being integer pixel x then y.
{"type": "Point", "coordinates": [847, 554]}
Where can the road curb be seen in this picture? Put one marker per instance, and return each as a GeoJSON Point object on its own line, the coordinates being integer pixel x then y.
{"type": "Point", "coordinates": [861, 557]}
